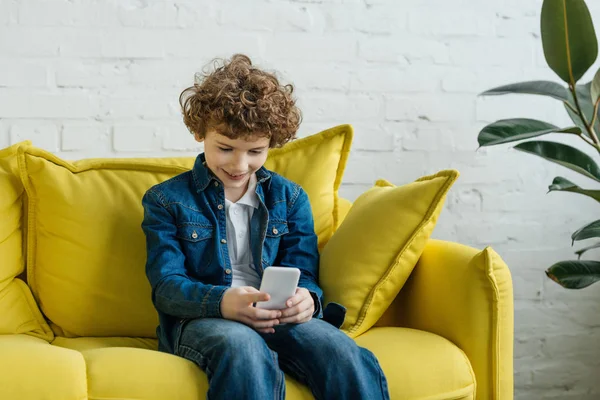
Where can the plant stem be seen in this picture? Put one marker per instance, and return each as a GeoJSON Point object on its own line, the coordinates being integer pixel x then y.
{"type": "Point", "coordinates": [589, 128]}
{"type": "Point", "coordinates": [571, 107]}
{"type": "Point", "coordinates": [588, 141]}
{"type": "Point", "coordinates": [595, 113]}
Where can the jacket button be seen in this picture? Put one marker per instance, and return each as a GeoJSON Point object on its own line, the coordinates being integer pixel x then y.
{"type": "Point", "coordinates": [220, 206]}
{"type": "Point", "coordinates": [223, 241]}
{"type": "Point", "coordinates": [228, 271]}
{"type": "Point", "coordinates": [275, 231]}
{"type": "Point", "coordinates": [216, 183]}
{"type": "Point", "coordinates": [194, 235]}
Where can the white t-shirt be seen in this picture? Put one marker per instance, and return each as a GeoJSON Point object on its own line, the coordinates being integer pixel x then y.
{"type": "Point", "coordinates": [239, 216]}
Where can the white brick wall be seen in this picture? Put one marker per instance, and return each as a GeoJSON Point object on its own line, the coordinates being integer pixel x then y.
{"type": "Point", "coordinates": [101, 78]}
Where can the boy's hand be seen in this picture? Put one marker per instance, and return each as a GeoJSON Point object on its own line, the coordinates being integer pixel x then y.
{"type": "Point", "coordinates": [236, 305]}
{"type": "Point", "coordinates": [300, 309]}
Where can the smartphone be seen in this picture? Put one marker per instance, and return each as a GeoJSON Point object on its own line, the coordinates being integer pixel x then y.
{"type": "Point", "coordinates": [281, 284]}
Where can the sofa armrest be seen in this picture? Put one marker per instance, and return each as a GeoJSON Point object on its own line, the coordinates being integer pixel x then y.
{"type": "Point", "coordinates": [466, 296]}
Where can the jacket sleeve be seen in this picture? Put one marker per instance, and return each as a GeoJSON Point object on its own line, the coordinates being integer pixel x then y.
{"type": "Point", "coordinates": [173, 292]}
{"type": "Point", "coordinates": [298, 248]}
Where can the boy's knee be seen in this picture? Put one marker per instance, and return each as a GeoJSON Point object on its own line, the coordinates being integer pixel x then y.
{"type": "Point", "coordinates": [211, 333]}
{"type": "Point", "coordinates": [240, 338]}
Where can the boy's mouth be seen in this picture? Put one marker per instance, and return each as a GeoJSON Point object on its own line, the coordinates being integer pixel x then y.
{"type": "Point", "coordinates": [235, 177]}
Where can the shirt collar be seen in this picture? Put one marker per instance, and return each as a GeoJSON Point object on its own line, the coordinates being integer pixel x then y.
{"type": "Point", "coordinates": [250, 198]}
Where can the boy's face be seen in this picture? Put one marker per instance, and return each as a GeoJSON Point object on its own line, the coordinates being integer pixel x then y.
{"type": "Point", "coordinates": [233, 161]}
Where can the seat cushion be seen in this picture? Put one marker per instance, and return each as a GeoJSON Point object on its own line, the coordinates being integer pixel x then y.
{"type": "Point", "coordinates": [134, 373]}
{"type": "Point", "coordinates": [86, 247]}
{"type": "Point", "coordinates": [420, 365]}
{"type": "Point", "coordinates": [128, 373]}
{"type": "Point", "coordinates": [371, 255]}
{"type": "Point", "coordinates": [417, 364]}
{"type": "Point", "coordinates": [30, 368]}
{"type": "Point", "coordinates": [19, 311]}
{"type": "Point", "coordinates": [92, 343]}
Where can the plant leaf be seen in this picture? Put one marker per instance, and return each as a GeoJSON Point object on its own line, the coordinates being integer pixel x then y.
{"type": "Point", "coordinates": [589, 231]}
{"type": "Point", "coordinates": [510, 130]}
{"type": "Point", "coordinates": [544, 88]}
{"type": "Point", "coordinates": [574, 274]}
{"type": "Point", "coordinates": [595, 89]}
{"type": "Point", "coordinates": [568, 38]}
{"type": "Point", "coordinates": [560, 184]}
{"type": "Point", "coordinates": [567, 156]}
{"type": "Point", "coordinates": [581, 251]}
{"type": "Point", "coordinates": [584, 97]}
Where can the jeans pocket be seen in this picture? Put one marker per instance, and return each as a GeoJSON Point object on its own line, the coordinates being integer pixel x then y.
{"type": "Point", "coordinates": [178, 333]}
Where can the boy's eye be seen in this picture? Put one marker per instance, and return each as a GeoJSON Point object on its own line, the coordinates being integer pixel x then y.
{"type": "Point", "coordinates": [224, 149]}
{"type": "Point", "coordinates": [256, 151]}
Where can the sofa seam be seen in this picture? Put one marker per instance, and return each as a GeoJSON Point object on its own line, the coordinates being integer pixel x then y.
{"type": "Point", "coordinates": [344, 153]}
{"type": "Point", "coordinates": [31, 223]}
{"type": "Point", "coordinates": [100, 163]}
{"type": "Point", "coordinates": [495, 328]}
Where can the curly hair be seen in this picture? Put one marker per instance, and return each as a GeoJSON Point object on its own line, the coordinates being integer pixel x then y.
{"type": "Point", "coordinates": [241, 101]}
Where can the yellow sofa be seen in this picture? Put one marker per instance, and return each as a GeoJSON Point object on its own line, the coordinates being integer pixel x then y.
{"type": "Point", "coordinates": [82, 327]}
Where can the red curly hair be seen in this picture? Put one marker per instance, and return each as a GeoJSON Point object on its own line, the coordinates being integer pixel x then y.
{"type": "Point", "coordinates": [241, 101]}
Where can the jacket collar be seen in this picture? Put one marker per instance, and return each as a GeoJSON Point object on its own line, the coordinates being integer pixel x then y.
{"type": "Point", "coordinates": [203, 176]}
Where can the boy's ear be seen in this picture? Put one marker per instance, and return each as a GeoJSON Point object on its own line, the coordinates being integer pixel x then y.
{"type": "Point", "coordinates": [198, 138]}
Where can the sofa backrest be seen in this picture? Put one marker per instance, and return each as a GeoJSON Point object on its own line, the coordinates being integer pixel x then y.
{"type": "Point", "coordinates": [85, 247]}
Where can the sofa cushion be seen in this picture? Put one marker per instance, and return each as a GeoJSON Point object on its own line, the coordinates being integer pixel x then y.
{"type": "Point", "coordinates": [420, 365]}
{"type": "Point", "coordinates": [368, 259]}
{"type": "Point", "coordinates": [87, 250]}
{"type": "Point", "coordinates": [317, 163]}
{"type": "Point", "coordinates": [417, 364]}
{"type": "Point", "coordinates": [19, 311]}
{"type": "Point", "coordinates": [129, 373]}
{"type": "Point", "coordinates": [30, 368]}
{"type": "Point", "coordinates": [11, 214]}
{"type": "Point", "coordinates": [90, 343]}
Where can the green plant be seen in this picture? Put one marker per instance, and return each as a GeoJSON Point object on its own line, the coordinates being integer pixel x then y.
{"type": "Point", "coordinates": [571, 48]}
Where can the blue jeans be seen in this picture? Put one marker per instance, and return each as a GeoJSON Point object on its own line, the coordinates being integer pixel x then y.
{"type": "Point", "coordinates": [243, 364]}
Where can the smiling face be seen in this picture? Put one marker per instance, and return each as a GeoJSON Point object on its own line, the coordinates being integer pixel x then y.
{"type": "Point", "coordinates": [233, 161]}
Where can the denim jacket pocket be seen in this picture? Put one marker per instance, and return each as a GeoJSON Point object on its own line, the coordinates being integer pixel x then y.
{"type": "Point", "coordinates": [196, 241]}
{"type": "Point", "coordinates": [277, 228]}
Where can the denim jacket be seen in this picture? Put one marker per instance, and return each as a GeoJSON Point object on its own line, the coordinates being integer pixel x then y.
{"type": "Point", "coordinates": [188, 263]}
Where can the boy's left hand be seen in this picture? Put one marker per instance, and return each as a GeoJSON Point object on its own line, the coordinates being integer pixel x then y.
{"type": "Point", "coordinates": [300, 308]}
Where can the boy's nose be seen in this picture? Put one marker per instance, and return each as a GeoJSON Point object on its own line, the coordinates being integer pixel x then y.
{"type": "Point", "coordinates": [240, 165]}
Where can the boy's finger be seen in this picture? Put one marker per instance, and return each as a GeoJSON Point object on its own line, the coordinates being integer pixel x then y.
{"type": "Point", "coordinates": [256, 297]}
{"type": "Point", "coordinates": [295, 299]}
{"type": "Point", "coordinates": [304, 305]}
{"type": "Point", "coordinates": [297, 318]}
{"type": "Point", "coordinates": [261, 314]}
{"type": "Point", "coordinates": [263, 324]}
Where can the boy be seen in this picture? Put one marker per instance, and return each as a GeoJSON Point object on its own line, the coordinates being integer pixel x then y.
{"type": "Point", "coordinates": [210, 233]}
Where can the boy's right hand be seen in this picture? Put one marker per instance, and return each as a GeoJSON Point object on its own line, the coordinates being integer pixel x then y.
{"type": "Point", "coordinates": [237, 304]}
